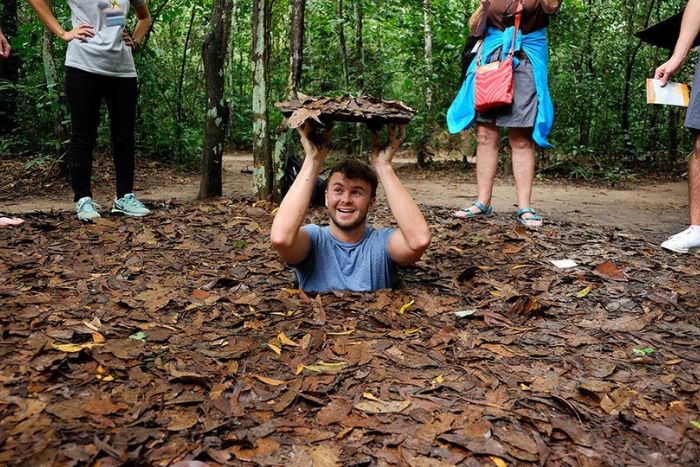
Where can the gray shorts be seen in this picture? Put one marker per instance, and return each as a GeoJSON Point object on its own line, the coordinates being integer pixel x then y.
{"type": "Point", "coordinates": [523, 112]}
{"type": "Point", "coordinates": [692, 118]}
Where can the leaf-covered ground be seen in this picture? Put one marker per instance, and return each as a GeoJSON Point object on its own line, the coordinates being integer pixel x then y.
{"type": "Point", "coordinates": [180, 337]}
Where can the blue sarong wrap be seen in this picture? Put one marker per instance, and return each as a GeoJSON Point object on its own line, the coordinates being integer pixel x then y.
{"type": "Point", "coordinates": [462, 114]}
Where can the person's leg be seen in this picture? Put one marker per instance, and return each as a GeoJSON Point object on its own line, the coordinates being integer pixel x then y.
{"type": "Point", "coordinates": [694, 183]}
{"type": "Point", "coordinates": [121, 97]}
{"type": "Point", "coordinates": [523, 155]}
{"type": "Point", "coordinates": [689, 240]}
{"type": "Point", "coordinates": [82, 93]}
{"type": "Point", "coordinates": [487, 136]}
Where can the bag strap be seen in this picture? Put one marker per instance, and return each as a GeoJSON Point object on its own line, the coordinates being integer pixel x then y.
{"type": "Point", "coordinates": [518, 18]}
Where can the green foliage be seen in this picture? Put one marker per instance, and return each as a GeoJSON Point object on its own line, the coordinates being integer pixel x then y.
{"type": "Point", "coordinates": [591, 48]}
{"type": "Point", "coordinates": [603, 127]}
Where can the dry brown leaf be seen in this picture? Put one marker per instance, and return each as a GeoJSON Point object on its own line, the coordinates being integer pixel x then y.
{"type": "Point", "coordinates": [300, 116]}
{"type": "Point", "coordinates": [335, 412]}
{"type": "Point", "coordinates": [284, 340]}
{"type": "Point", "coordinates": [378, 406]}
{"type": "Point", "coordinates": [610, 271]}
{"type": "Point", "coordinates": [270, 381]}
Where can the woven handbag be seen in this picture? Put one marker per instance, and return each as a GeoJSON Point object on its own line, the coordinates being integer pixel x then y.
{"type": "Point", "coordinates": [493, 86]}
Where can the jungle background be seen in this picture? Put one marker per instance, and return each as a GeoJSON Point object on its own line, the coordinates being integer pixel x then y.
{"type": "Point", "coordinates": [406, 50]}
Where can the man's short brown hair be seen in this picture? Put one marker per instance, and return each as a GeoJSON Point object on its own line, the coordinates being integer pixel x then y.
{"type": "Point", "coordinates": [357, 169]}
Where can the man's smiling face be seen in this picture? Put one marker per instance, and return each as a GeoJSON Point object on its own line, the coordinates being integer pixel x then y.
{"type": "Point", "coordinates": [348, 201]}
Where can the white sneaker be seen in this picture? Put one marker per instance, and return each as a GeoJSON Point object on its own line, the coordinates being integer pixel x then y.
{"type": "Point", "coordinates": [130, 206]}
{"type": "Point", "coordinates": [687, 241]}
{"type": "Point", "coordinates": [87, 209]}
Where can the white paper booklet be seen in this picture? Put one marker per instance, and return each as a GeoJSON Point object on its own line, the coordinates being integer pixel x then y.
{"type": "Point", "coordinates": [671, 94]}
{"type": "Point", "coordinates": [563, 263]}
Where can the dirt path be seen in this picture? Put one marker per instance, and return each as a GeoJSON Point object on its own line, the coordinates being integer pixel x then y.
{"type": "Point", "coordinates": [652, 211]}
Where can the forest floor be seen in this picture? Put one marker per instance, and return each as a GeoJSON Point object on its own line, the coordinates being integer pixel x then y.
{"type": "Point", "coordinates": [179, 337]}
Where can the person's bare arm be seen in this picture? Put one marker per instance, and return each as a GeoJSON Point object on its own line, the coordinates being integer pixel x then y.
{"type": "Point", "coordinates": [286, 234]}
{"type": "Point", "coordinates": [409, 242]}
{"type": "Point", "coordinates": [83, 32]}
{"type": "Point", "coordinates": [144, 15]}
{"type": "Point", "coordinates": [690, 28]}
{"type": "Point", "coordinates": [4, 46]}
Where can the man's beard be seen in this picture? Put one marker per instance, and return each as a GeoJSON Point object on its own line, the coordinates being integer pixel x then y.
{"type": "Point", "coordinates": [349, 228]}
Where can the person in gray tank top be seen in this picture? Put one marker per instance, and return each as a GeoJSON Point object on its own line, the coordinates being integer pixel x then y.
{"type": "Point", "coordinates": [100, 66]}
{"type": "Point", "coordinates": [348, 254]}
{"type": "Point", "coordinates": [687, 241]}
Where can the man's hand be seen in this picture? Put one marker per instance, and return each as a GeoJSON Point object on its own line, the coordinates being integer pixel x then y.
{"type": "Point", "coordinates": [690, 28]}
{"type": "Point", "coordinates": [4, 47]}
{"type": "Point", "coordinates": [81, 33]}
{"type": "Point", "coordinates": [386, 154]}
{"type": "Point", "coordinates": [668, 69]}
{"type": "Point", "coordinates": [315, 146]}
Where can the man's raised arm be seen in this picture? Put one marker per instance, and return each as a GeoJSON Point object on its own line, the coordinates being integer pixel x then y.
{"type": "Point", "coordinates": [407, 245]}
{"type": "Point", "coordinates": [286, 235]}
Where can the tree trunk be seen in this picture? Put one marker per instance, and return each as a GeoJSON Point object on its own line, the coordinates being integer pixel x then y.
{"type": "Point", "coordinates": [214, 56]}
{"type": "Point", "coordinates": [585, 72]}
{"type": "Point", "coordinates": [343, 46]}
{"type": "Point", "coordinates": [262, 156]}
{"type": "Point", "coordinates": [9, 70]}
{"type": "Point", "coordinates": [631, 57]}
{"type": "Point", "coordinates": [359, 47]}
{"type": "Point", "coordinates": [284, 149]}
{"type": "Point", "coordinates": [180, 86]}
{"type": "Point", "coordinates": [48, 54]}
{"type": "Point", "coordinates": [428, 55]}
{"type": "Point", "coordinates": [297, 12]}
{"type": "Point", "coordinates": [422, 154]}
{"type": "Point", "coordinates": [650, 112]}
{"type": "Point", "coordinates": [672, 142]}
{"type": "Point", "coordinates": [359, 64]}
{"type": "Point", "coordinates": [231, 78]}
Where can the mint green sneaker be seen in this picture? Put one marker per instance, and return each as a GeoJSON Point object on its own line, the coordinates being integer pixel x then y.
{"type": "Point", "coordinates": [87, 209]}
{"type": "Point", "coordinates": [130, 206]}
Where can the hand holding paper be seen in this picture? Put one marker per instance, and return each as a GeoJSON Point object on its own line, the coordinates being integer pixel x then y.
{"type": "Point", "coordinates": [670, 94]}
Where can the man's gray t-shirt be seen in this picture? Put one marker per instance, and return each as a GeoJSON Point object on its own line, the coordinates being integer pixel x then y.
{"type": "Point", "coordinates": [106, 53]}
{"type": "Point", "coordinates": [364, 266]}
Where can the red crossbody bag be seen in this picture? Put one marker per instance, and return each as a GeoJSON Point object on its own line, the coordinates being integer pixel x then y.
{"type": "Point", "coordinates": [493, 86]}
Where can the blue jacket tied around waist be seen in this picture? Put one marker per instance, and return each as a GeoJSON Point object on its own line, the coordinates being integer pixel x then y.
{"type": "Point", "coordinates": [462, 114]}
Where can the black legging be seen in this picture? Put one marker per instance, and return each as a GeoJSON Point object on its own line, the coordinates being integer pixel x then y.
{"type": "Point", "coordinates": [85, 92]}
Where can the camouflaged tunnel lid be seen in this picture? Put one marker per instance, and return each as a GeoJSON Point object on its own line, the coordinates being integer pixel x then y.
{"type": "Point", "coordinates": [361, 109]}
